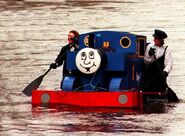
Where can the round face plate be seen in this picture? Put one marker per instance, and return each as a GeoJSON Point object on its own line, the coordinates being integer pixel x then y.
{"type": "Point", "coordinates": [88, 60]}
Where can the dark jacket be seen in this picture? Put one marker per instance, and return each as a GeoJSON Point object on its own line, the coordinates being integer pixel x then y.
{"type": "Point", "coordinates": [61, 58]}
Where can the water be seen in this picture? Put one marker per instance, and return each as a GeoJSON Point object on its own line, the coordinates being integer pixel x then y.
{"type": "Point", "coordinates": [31, 35]}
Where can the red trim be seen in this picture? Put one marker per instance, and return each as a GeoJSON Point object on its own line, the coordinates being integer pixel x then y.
{"type": "Point", "coordinates": [90, 99]}
{"type": "Point", "coordinates": [86, 99]}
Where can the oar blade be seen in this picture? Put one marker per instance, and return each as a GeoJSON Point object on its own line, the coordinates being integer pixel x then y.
{"type": "Point", "coordinates": [33, 85]}
{"type": "Point", "coordinates": [172, 97]}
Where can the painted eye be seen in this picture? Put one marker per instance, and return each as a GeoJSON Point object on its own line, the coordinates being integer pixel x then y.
{"type": "Point", "coordinates": [91, 55]}
{"type": "Point", "coordinates": [83, 56]}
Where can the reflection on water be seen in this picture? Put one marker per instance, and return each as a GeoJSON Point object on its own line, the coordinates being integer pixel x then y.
{"type": "Point", "coordinates": [31, 35]}
{"type": "Point", "coordinates": [100, 120]}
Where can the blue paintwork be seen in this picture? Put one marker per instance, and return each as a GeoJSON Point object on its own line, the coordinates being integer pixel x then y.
{"type": "Point", "coordinates": [115, 83]}
{"type": "Point", "coordinates": [67, 83]}
{"type": "Point", "coordinates": [117, 74]}
{"type": "Point", "coordinates": [113, 38]}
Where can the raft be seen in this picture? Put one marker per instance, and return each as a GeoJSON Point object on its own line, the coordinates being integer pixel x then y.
{"type": "Point", "coordinates": [104, 72]}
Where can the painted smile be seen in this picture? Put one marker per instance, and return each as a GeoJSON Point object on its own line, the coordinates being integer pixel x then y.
{"type": "Point", "coordinates": [88, 68]}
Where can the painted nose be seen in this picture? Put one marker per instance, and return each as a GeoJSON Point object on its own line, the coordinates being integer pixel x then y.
{"type": "Point", "coordinates": [87, 61]}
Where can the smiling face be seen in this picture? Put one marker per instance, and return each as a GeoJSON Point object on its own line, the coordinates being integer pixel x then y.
{"type": "Point", "coordinates": [70, 38]}
{"type": "Point", "coordinates": [88, 60]}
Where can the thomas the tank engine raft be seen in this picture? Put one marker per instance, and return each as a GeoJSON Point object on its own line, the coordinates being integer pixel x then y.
{"type": "Point", "coordinates": [105, 61]}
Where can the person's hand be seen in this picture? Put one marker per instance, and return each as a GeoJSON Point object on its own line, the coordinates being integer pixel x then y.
{"type": "Point", "coordinates": [53, 66]}
{"type": "Point", "coordinates": [165, 73]}
{"type": "Point", "coordinates": [151, 51]}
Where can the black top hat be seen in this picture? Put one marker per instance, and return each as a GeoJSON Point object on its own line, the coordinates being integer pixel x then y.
{"type": "Point", "coordinates": [159, 34]}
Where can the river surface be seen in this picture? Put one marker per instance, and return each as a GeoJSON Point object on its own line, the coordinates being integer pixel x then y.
{"type": "Point", "coordinates": [32, 33]}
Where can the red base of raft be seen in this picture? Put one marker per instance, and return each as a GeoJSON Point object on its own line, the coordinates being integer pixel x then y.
{"type": "Point", "coordinates": [126, 99]}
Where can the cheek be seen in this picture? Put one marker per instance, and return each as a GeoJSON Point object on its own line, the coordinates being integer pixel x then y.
{"type": "Point", "coordinates": [157, 42]}
{"type": "Point", "coordinates": [93, 60]}
{"type": "Point", "coordinates": [70, 41]}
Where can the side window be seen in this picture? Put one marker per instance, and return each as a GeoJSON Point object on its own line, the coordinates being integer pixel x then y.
{"type": "Point", "coordinates": [141, 43]}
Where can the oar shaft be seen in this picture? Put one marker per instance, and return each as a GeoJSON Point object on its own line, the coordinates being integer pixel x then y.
{"type": "Point", "coordinates": [161, 72]}
{"type": "Point", "coordinates": [171, 95]}
{"type": "Point", "coordinates": [47, 72]}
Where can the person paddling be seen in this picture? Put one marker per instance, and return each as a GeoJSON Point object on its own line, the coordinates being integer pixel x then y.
{"type": "Point", "coordinates": [154, 76]}
{"type": "Point", "coordinates": [72, 45]}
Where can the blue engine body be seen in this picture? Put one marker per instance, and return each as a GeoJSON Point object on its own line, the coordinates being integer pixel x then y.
{"type": "Point", "coordinates": [123, 55]}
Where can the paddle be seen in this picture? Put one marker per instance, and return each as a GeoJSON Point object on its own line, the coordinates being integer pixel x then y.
{"type": "Point", "coordinates": [171, 95]}
{"type": "Point", "coordinates": [34, 84]}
